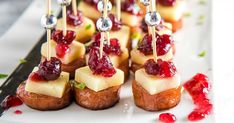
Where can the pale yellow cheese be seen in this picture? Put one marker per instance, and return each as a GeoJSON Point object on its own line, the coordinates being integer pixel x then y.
{"type": "Point", "coordinates": [153, 84]}
{"type": "Point", "coordinates": [166, 30]}
{"type": "Point", "coordinates": [98, 82]}
{"type": "Point", "coordinates": [140, 58]}
{"type": "Point", "coordinates": [172, 13]}
{"type": "Point", "coordinates": [123, 35]}
{"type": "Point", "coordinates": [82, 33]}
{"type": "Point", "coordinates": [116, 60]}
{"type": "Point", "coordinates": [89, 11]}
{"type": "Point", "coordinates": [54, 88]}
{"type": "Point", "coordinates": [77, 50]}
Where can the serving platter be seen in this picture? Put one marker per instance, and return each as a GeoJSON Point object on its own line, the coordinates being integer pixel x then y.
{"type": "Point", "coordinates": [191, 40]}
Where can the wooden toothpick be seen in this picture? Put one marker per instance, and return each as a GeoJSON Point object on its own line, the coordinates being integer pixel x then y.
{"type": "Point", "coordinates": [101, 44]}
{"type": "Point", "coordinates": [64, 20]}
{"type": "Point", "coordinates": [74, 7]}
{"type": "Point", "coordinates": [48, 31]}
{"type": "Point", "coordinates": [118, 10]}
{"type": "Point", "coordinates": [153, 31]}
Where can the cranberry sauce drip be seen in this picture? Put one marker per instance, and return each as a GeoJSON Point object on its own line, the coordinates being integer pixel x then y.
{"type": "Point", "coordinates": [47, 70]}
{"type": "Point", "coordinates": [63, 42]}
{"type": "Point", "coordinates": [112, 48]}
{"type": "Point", "coordinates": [131, 6]}
{"type": "Point", "coordinates": [74, 20]}
{"type": "Point", "coordinates": [167, 2]}
{"type": "Point", "coordinates": [162, 69]}
{"type": "Point", "coordinates": [198, 87]}
{"type": "Point", "coordinates": [18, 112]}
{"type": "Point", "coordinates": [92, 2]}
{"type": "Point", "coordinates": [167, 118]}
{"type": "Point", "coordinates": [164, 44]}
{"type": "Point", "coordinates": [116, 24]}
{"type": "Point", "coordinates": [100, 66]}
{"type": "Point", "coordinates": [11, 101]}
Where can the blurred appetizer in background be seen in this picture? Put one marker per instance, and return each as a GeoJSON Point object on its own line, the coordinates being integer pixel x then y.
{"type": "Point", "coordinates": [64, 46]}
{"type": "Point", "coordinates": [77, 22]}
{"type": "Point", "coordinates": [47, 87]}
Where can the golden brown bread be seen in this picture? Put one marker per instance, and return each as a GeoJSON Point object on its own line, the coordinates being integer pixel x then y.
{"type": "Point", "coordinates": [124, 66]}
{"type": "Point", "coordinates": [161, 101]}
{"type": "Point", "coordinates": [90, 99]}
{"type": "Point", "coordinates": [44, 102]}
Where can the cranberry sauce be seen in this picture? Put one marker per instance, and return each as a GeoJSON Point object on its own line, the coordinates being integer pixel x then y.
{"type": "Point", "coordinates": [116, 24]}
{"type": "Point", "coordinates": [63, 42]}
{"type": "Point", "coordinates": [164, 44]}
{"type": "Point", "coordinates": [113, 48]}
{"type": "Point", "coordinates": [47, 70]}
{"type": "Point", "coordinates": [100, 66]}
{"type": "Point", "coordinates": [162, 69]}
{"type": "Point", "coordinates": [167, 118]}
{"type": "Point", "coordinates": [131, 6]}
{"type": "Point", "coordinates": [74, 20]}
{"type": "Point", "coordinates": [167, 2]}
{"type": "Point", "coordinates": [11, 101]}
{"type": "Point", "coordinates": [198, 87]}
{"type": "Point", "coordinates": [18, 112]}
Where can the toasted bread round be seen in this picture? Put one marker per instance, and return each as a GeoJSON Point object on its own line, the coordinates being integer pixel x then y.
{"type": "Point", "coordinates": [90, 99]}
{"type": "Point", "coordinates": [135, 66]}
{"type": "Point", "coordinates": [44, 102]}
{"type": "Point", "coordinates": [124, 66]}
{"type": "Point", "coordinates": [71, 67]}
{"type": "Point", "coordinates": [161, 101]}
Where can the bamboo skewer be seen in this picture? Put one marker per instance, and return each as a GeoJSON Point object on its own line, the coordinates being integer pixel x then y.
{"type": "Point", "coordinates": [74, 7]}
{"type": "Point", "coordinates": [64, 20]}
{"type": "Point", "coordinates": [48, 31]}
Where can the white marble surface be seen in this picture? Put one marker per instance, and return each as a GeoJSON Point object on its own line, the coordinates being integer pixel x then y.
{"type": "Point", "coordinates": [222, 59]}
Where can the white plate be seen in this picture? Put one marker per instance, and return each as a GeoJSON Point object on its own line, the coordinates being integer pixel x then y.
{"type": "Point", "coordinates": [190, 41]}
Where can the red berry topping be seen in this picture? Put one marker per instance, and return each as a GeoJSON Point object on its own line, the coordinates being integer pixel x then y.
{"type": "Point", "coordinates": [74, 20]}
{"type": "Point", "coordinates": [167, 118]}
{"type": "Point", "coordinates": [198, 87]}
{"type": "Point", "coordinates": [58, 37]}
{"type": "Point", "coordinates": [101, 66]}
{"type": "Point", "coordinates": [167, 2]}
{"type": "Point", "coordinates": [61, 50]}
{"type": "Point", "coordinates": [131, 6]}
{"type": "Point", "coordinates": [116, 25]}
{"type": "Point", "coordinates": [113, 48]}
{"type": "Point", "coordinates": [47, 70]}
{"type": "Point", "coordinates": [162, 69]}
{"type": "Point", "coordinates": [11, 101]}
{"type": "Point", "coordinates": [164, 44]}
{"type": "Point", "coordinates": [18, 112]}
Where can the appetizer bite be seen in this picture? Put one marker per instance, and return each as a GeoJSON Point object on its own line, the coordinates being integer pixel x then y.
{"type": "Point", "coordinates": [64, 46]}
{"type": "Point", "coordinates": [77, 22]}
{"type": "Point", "coordinates": [47, 87]}
{"type": "Point", "coordinates": [102, 82]}
{"type": "Point", "coordinates": [172, 11]}
{"type": "Point", "coordinates": [164, 45]}
{"type": "Point", "coordinates": [156, 86]}
{"type": "Point", "coordinates": [89, 9]}
{"type": "Point", "coordinates": [117, 54]}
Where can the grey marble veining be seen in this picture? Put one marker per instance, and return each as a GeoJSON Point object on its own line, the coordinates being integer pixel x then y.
{"type": "Point", "coordinates": [10, 11]}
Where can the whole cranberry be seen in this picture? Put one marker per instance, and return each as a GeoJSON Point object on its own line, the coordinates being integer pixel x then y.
{"type": "Point", "coordinates": [74, 20]}
{"type": "Point", "coordinates": [164, 44]}
{"type": "Point", "coordinates": [58, 37]}
{"type": "Point", "coordinates": [167, 2]}
{"type": "Point", "coordinates": [100, 66]}
{"type": "Point", "coordinates": [50, 70]}
{"type": "Point", "coordinates": [162, 69]}
{"type": "Point", "coordinates": [116, 24]}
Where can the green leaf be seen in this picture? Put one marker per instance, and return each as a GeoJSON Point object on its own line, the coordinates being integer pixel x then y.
{"type": "Point", "coordinates": [202, 2]}
{"type": "Point", "coordinates": [201, 19]}
{"type": "Point", "coordinates": [202, 54]}
{"type": "Point", "coordinates": [88, 27]}
{"type": "Point", "coordinates": [80, 86]}
{"type": "Point", "coordinates": [22, 61]}
{"type": "Point", "coordinates": [136, 36]}
{"type": "Point", "coordinates": [187, 14]}
{"type": "Point", "coordinates": [2, 76]}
